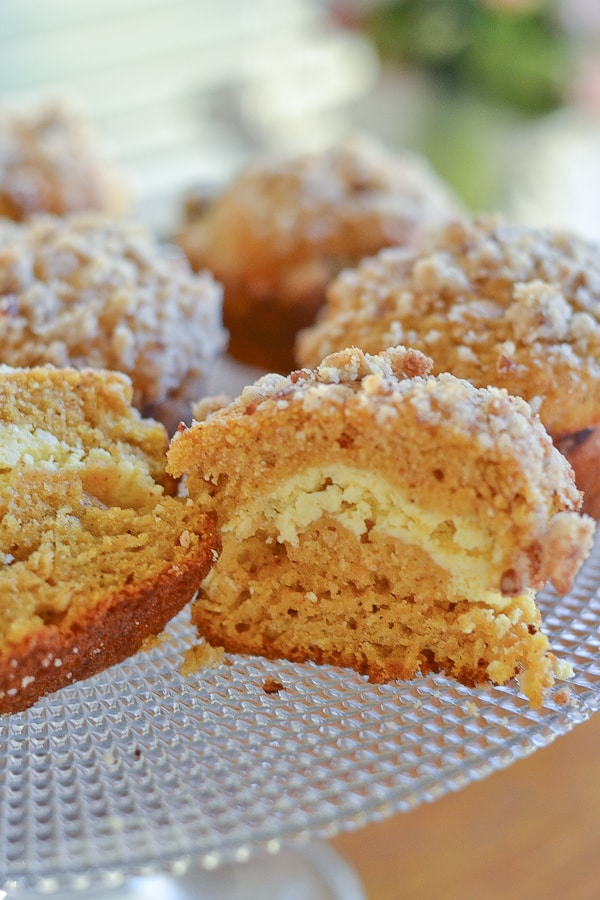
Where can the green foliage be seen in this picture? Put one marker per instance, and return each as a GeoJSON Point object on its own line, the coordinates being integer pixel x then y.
{"type": "Point", "coordinates": [520, 58]}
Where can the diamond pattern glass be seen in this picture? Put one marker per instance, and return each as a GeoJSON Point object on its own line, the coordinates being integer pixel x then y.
{"type": "Point", "coordinates": [139, 769]}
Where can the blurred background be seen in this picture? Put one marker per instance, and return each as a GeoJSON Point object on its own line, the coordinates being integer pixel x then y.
{"type": "Point", "coordinates": [503, 96]}
{"type": "Point", "coordinates": [183, 92]}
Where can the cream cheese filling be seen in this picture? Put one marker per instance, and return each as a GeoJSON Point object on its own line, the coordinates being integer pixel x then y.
{"type": "Point", "coordinates": [34, 446]}
{"type": "Point", "coordinates": [363, 502]}
{"type": "Point", "coordinates": [110, 479]}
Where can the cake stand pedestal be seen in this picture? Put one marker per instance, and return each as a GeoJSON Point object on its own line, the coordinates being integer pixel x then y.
{"type": "Point", "coordinates": [312, 872]}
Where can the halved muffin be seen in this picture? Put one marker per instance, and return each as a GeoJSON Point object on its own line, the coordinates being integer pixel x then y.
{"type": "Point", "coordinates": [378, 517]}
{"type": "Point", "coordinates": [96, 552]}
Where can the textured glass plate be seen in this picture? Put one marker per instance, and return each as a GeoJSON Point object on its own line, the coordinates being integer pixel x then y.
{"type": "Point", "coordinates": [139, 769]}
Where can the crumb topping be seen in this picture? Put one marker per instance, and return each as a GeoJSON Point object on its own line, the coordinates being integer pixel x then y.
{"type": "Point", "coordinates": [316, 196]}
{"type": "Point", "coordinates": [385, 380]}
{"type": "Point", "coordinates": [88, 290]}
{"type": "Point", "coordinates": [497, 304]}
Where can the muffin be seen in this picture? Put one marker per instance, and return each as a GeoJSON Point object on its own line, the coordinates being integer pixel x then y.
{"type": "Point", "coordinates": [497, 304]}
{"type": "Point", "coordinates": [378, 517]}
{"type": "Point", "coordinates": [88, 290]}
{"type": "Point", "coordinates": [51, 162]}
{"type": "Point", "coordinates": [285, 226]}
{"type": "Point", "coordinates": [96, 553]}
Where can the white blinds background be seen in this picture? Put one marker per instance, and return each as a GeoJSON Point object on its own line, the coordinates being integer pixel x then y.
{"type": "Point", "coordinates": [184, 91]}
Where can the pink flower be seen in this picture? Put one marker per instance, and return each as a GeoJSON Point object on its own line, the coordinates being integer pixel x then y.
{"type": "Point", "coordinates": [514, 6]}
{"type": "Point", "coordinates": [586, 87]}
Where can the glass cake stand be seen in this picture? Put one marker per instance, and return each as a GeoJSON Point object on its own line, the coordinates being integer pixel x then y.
{"type": "Point", "coordinates": [139, 773]}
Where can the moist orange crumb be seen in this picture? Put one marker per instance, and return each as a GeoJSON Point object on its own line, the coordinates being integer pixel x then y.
{"type": "Point", "coordinates": [377, 516]}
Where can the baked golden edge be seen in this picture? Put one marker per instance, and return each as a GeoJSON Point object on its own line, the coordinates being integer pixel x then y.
{"type": "Point", "coordinates": [113, 630]}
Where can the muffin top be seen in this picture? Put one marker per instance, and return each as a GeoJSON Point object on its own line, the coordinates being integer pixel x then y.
{"type": "Point", "coordinates": [497, 304]}
{"type": "Point", "coordinates": [336, 205]}
{"type": "Point", "coordinates": [375, 390]}
{"type": "Point", "coordinates": [88, 290]}
{"type": "Point", "coordinates": [51, 161]}
{"type": "Point", "coordinates": [477, 452]}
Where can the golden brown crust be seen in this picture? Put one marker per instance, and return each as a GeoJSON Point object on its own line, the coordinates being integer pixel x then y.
{"type": "Point", "coordinates": [285, 227]}
{"type": "Point", "coordinates": [114, 629]}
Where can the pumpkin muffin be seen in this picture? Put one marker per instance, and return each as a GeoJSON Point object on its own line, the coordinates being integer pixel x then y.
{"type": "Point", "coordinates": [497, 304]}
{"type": "Point", "coordinates": [378, 517]}
{"type": "Point", "coordinates": [51, 162]}
{"type": "Point", "coordinates": [96, 552]}
{"type": "Point", "coordinates": [88, 290]}
{"type": "Point", "coordinates": [285, 226]}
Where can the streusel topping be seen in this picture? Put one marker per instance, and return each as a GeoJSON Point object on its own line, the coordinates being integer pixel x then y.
{"type": "Point", "coordinates": [322, 197]}
{"type": "Point", "coordinates": [497, 304]}
{"type": "Point", "coordinates": [89, 290]}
